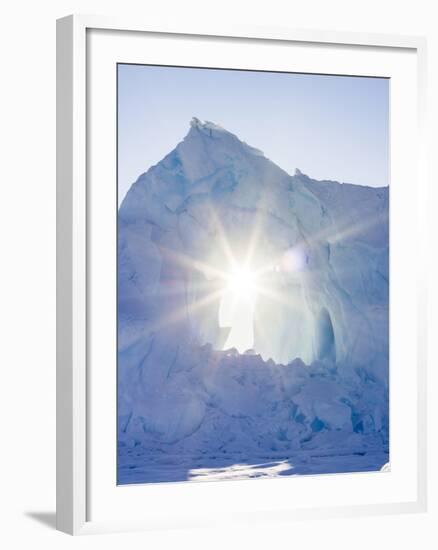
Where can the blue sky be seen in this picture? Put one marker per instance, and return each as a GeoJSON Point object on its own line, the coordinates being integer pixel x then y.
{"type": "Point", "coordinates": [330, 127]}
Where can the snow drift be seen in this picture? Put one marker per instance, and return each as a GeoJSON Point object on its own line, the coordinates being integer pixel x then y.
{"type": "Point", "coordinates": [315, 383]}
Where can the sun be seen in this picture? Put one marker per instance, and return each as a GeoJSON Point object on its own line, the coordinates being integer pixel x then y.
{"type": "Point", "coordinates": [241, 281]}
{"type": "Point", "coordinates": [237, 307]}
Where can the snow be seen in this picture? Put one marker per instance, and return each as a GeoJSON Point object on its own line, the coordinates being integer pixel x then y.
{"type": "Point", "coordinates": [312, 394]}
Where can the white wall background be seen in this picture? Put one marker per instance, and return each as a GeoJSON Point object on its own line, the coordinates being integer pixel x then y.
{"type": "Point", "coordinates": [27, 256]}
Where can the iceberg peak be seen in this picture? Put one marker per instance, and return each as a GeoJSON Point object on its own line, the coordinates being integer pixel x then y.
{"type": "Point", "coordinates": [206, 126]}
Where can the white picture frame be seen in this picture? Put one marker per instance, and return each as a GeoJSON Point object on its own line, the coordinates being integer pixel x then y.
{"type": "Point", "coordinates": [75, 393]}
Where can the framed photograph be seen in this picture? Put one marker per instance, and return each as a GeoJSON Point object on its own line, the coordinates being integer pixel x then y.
{"type": "Point", "coordinates": [241, 282]}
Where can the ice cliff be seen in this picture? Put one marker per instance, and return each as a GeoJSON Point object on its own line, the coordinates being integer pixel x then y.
{"type": "Point", "coordinates": [317, 378]}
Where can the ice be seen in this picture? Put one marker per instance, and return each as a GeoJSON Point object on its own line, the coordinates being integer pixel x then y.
{"type": "Point", "coordinates": [312, 393]}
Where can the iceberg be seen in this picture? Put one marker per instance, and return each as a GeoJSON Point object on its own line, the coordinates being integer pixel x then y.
{"type": "Point", "coordinates": [311, 395]}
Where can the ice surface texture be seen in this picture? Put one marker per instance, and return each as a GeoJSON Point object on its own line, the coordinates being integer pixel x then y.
{"type": "Point", "coordinates": [313, 395]}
